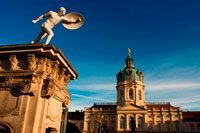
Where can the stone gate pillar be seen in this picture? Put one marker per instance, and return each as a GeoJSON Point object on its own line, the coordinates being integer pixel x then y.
{"type": "Point", "coordinates": [33, 80]}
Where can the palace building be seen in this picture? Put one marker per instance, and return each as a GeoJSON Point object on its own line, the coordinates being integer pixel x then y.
{"type": "Point", "coordinates": [132, 112]}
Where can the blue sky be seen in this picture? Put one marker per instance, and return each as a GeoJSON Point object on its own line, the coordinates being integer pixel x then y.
{"type": "Point", "coordinates": [164, 36]}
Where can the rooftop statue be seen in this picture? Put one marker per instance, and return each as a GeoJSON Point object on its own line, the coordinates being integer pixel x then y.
{"type": "Point", "coordinates": [129, 51]}
{"type": "Point", "coordinates": [69, 21]}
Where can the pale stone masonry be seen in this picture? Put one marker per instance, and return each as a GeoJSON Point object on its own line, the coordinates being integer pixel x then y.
{"type": "Point", "coordinates": [33, 80]}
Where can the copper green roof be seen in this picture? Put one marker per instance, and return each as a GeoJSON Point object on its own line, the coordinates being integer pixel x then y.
{"type": "Point", "coordinates": [129, 72]}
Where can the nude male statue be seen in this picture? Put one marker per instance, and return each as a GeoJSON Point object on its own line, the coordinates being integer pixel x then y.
{"type": "Point", "coordinates": [53, 18]}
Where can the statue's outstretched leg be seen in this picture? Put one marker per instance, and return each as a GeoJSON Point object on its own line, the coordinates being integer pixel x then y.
{"type": "Point", "coordinates": [40, 37]}
{"type": "Point", "coordinates": [48, 30]}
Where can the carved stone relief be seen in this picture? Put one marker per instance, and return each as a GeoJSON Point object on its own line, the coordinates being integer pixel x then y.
{"type": "Point", "coordinates": [61, 75]}
{"type": "Point", "coordinates": [67, 78]}
{"type": "Point", "coordinates": [47, 88]}
{"type": "Point", "coordinates": [41, 64]}
{"type": "Point", "coordinates": [48, 66]}
{"type": "Point", "coordinates": [55, 67]}
{"type": "Point", "coordinates": [13, 62]}
{"type": "Point", "coordinates": [18, 83]}
{"type": "Point", "coordinates": [67, 101]}
{"type": "Point", "coordinates": [50, 89]}
{"type": "Point", "coordinates": [1, 68]}
{"type": "Point", "coordinates": [54, 109]}
{"type": "Point", "coordinates": [32, 60]}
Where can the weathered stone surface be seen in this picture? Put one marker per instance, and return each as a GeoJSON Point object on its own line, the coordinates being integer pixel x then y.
{"type": "Point", "coordinates": [33, 80]}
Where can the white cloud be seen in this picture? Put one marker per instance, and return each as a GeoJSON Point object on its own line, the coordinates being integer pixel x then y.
{"type": "Point", "coordinates": [80, 104]}
{"type": "Point", "coordinates": [87, 101]}
{"type": "Point", "coordinates": [186, 100]}
{"type": "Point", "coordinates": [93, 87]}
{"type": "Point", "coordinates": [91, 97]}
{"type": "Point", "coordinates": [172, 86]}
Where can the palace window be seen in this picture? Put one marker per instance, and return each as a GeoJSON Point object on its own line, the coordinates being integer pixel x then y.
{"type": "Point", "coordinates": [105, 116]}
{"type": "Point", "coordinates": [139, 95]}
{"type": "Point", "coordinates": [191, 126]}
{"type": "Point", "coordinates": [159, 127]}
{"type": "Point", "coordinates": [140, 122]}
{"type": "Point", "coordinates": [131, 122]}
{"type": "Point", "coordinates": [168, 125]}
{"type": "Point", "coordinates": [130, 94]}
{"type": "Point", "coordinates": [167, 116]}
{"type": "Point", "coordinates": [112, 125]}
{"type": "Point", "coordinates": [177, 126]}
{"type": "Point", "coordinates": [176, 116]}
{"type": "Point", "coordinates": [88, 125]}
{"type": "Point", "coordinates": [158, 116]}
{"type": "Point", "coordinates": [112, 116]}
{"type": "Point", "coordinates": [121, 95]}
{"type": "Point", "coordinates": [184, 127]}
{"type": "Point", "coordinates": [150, 116]}
{"type": "Point", "coordinates": [150, 126]}
{"type": "Point", "coordinates": [122, 122]}
{"type": "Point", "coordinates": [198, 126]}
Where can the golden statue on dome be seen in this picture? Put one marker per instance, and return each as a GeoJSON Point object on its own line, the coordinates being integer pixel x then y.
{"type": "Point", "coordinates": [129, 51]}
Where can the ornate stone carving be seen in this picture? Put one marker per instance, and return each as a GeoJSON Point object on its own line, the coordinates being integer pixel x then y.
{"type": "Point", "coordinates": [48, 66]}
{"type": "Point", "coordinates": [13, 62]}
{"type": "Point", "coordinates": [25, 87]}
{"type": "Point", "coordinates": [32, 61]}
{"type": "Point", "coordinates": [1, 66]}
{"type": "Point", "coordinates": [47, 88]}
{"type": "Point", "coordinates": [67, 79]}
{"type": "Point", "coordinates": [41, 64]}
{"type": "Point", "coordinates": [16, 83]}
{"type": "Point", "coordinates": [67, 101]}
{"type": "Point", "coordinates": [61, 75]}
{"type": "Point", "coordinates": [52, 89]}
{"type": "Point", "coordinates": [55, 67]}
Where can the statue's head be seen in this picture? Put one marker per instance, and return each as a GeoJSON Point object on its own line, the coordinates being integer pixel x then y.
{"type": "Point", "coordinates": [62, 11]}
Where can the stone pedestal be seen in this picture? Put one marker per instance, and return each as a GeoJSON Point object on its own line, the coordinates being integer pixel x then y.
{"type": "Point", "coordinates": [33, 80]}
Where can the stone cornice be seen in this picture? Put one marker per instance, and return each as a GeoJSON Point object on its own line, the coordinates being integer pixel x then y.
{"type": "Point", "coordinates": [41, 50]}
{"type": "Point", "coordinates": [131, 83]}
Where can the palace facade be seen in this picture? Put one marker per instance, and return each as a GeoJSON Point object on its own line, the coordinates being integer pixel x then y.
{"type": "Point", "coordinates": [132, 112]}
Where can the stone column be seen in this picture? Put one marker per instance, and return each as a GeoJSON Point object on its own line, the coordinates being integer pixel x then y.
{"type": "Point", "coordinates": [127, 123]}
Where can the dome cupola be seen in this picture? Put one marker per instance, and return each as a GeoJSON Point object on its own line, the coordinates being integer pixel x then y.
{"type": "Point", "coordinates": [129, 72]}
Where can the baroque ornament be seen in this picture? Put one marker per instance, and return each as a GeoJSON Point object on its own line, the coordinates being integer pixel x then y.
{"type": "Point", "coordinates": [32, 61]}
{"type": "Point", "coordinates": [13, 62]}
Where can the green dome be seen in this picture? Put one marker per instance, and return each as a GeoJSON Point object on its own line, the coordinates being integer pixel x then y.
{"type": "Point", "coordinates": [129, 72]}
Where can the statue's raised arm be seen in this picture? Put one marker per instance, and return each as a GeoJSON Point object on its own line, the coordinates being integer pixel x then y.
{"type": "Point", "coordinates": [70, 21]}
{"type": "Point", "coordinates": [40, 18]}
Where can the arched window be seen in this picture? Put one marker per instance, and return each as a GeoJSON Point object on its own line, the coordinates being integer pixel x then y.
{"type": "Point", "coordinates": [139, 95]}
{"type": "Point", "coordinates": [150, 126]}
{"type": "Point", "coordinates": [88, 125]}
{"type": "Point", "coordinates": [167, 125]}
{"type": "Point", "coordinates": [140, 122]}
{"type": "Point", "coordinates": [130, 94]}
{"type": "Point", "coordinates": [132, 122]}
{"type": "Point", "coordinates": [159, 127]}
{"type": "Point", "coordinates": [4, 129]}
{"type": "Point", "coordinates": [177, 126]}
{"type": "Point", "coordinates": [121, 95]}
{"type": "Point", "coordinates": [122, 122]}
